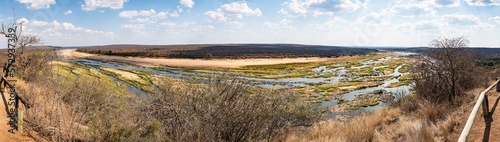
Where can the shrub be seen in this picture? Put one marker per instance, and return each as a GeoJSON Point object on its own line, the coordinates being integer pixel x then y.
{"type": "Point", "coordinates": [226, 111]}
{"type": "Point", "coordinates": [445, 72]}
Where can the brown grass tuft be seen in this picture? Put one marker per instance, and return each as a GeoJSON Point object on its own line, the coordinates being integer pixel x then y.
{"type": "Point", "coordinates": [359, 129]}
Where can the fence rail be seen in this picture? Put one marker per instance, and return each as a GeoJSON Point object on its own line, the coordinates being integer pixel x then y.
{"type": "Point", "coordinates": [25, 103]}
{"type": "Point", "coordinates": [481, 101]}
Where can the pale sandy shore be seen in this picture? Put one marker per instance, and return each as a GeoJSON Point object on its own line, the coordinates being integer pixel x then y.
{"type": "Point", "coordinates": [194, 63]}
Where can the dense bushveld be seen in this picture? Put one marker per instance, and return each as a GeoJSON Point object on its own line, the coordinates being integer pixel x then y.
{"type": "Point", "coordinates": [226, 51]}
{"type": "Point", "coordinates": [87, 108]}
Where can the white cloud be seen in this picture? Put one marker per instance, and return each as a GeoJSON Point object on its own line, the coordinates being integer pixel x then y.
{"type": "Point", "coordinates": [281, 24]}
{"type": "Point", "coordinates": [135, 13]}
{"type": "Point", "coordinates": [160, 15]}
{"type": "Point", "coordinates": [336, 22]}
{"type": "Point", "coordinates": [151, 13]}
{"type": "Point", "coordinates": [271, 24]}
{"type": "Point", "coordinates": [429, 25]}
{"type": "Point", "coordinates": [459, 19]}
{"type": "Point", "coordinates": [174, 14]}
{"type": "Point", "coordinates": [284, 21]}
{"type": "Point", "coordinates": [37, 4]}
{"type": "Point", "coordinates": [495, 19]}
{"type": "Point", "coordinates": [142, 20]}
{"type": "Point", "coordinates": [209, 27]}
{"type": "Point", "coordinates": [322, 7]}
{"type": "Point", "coordinates": [68, 12]}
{"type": "Point", "coordinates": [56, 24]}
{"type": "Point", "coordinates": [134, 26]}
{"type": "Point", "coordinates": [466, 20]}
{"type": "Point", "coordinates": [228, 12]}
{"type": "Point", "coordinates": [412, 10]}
{"type": "Point", "coordinates": [169, 24]}
{"type": "Point", "coordinates": [284, 12]}
{"type": "Point", "coordinates": [23, 20]}
{"type": "Point", "coordinates": [91, 5]}
{"type": "Point", "coordinates": [483, 2]}
{"type": "Point", "coordinates": [62, 31]}
{"type": "Point", "coordinates": [446, 3]}
{"type": "Point", "coordinates": [375, 18]}
{"type": "Point", "coordinates": [38, 23]}
{"type": "Point", "coordinates": [187, 3]}
{"type": "Point", "coordinates": [236, 24]}
{"type": "Point", "coordinates": [217, 16]}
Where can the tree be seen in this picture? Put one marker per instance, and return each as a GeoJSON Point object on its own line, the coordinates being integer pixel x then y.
{"type": "Point", "coordinates": [22, 40]}
{"type": "Point", "coordinates": [490, 63]}
{"type": "Point", "coordinates": [445, 71]}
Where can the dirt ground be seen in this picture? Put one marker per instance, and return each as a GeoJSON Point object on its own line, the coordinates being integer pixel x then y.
{"type": "Point", "coordinates": [194, 63]}
{"type": "Point", "coordinates": [486, 128]}
{"type": "Point", "coordinates": [6, 136]}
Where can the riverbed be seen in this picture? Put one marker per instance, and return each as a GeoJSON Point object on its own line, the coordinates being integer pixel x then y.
{"type": "Point", "coordinates": [334, 72]}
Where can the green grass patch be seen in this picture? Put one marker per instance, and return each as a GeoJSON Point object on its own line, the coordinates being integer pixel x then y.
{"type": "Point", "coordinates": [400, 83]}
{"type": "Point", "coordinates": [353, 107]}
{"type": "Point", "coordinates": [405, 68]}
{"type": "Point", "coordinates": [341, 101]}
{"type": "Point", "coordinates": [335, 86]}
{"type": "Point", "coordinates": [74, 72]}
{"type": "Point", "coordinates": [406, 77]}
{"type": "Point", "coordinates": [371, 103]}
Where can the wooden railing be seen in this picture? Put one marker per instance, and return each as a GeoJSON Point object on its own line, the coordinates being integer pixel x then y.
{"type": "Point", "coordinates": [25, 103]}
{"type": "Point", "coordinates": [481, 101]}
{"type": "Point", "coordinates": [15, 113]}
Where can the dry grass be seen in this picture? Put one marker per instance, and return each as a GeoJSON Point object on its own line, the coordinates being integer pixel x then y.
{"type": "Point", "coordinates": [362, 128]}
{"type": "Point", "coordinates": [425, 122]}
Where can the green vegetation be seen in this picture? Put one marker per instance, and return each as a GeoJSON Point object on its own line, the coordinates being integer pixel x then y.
{"type": "Point", "coordinates": [353, 107]}
{"type": "Point", "coordinates": [406, 68]}
{"type": "Point", "coordinates": [76, 72]}
{"type": "Point", "coordinates": [400, 83]}
{"type": "Point", "coordinates": [372, 103]}
{"type": "Point", "coordinates": [366, 71]}
{"type": "Point", "coordinates": [349, 86]}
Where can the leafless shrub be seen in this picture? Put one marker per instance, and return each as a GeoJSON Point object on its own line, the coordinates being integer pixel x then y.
{"type": "Point", "coordinates": [225, 111]}
{"type": "Point", "coordinates": [445, 72]}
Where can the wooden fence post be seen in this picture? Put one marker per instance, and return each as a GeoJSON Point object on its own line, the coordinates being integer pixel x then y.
{"type": "Point", "coordinates": [498, 86]}
{"type": "Point", "coordinates": [20, 121]}
{"type": "Point", "coordinates": [485, 106]}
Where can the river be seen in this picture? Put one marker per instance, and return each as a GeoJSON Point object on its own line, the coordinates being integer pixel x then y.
{"type": "Point", "coordinates": [339, 73]}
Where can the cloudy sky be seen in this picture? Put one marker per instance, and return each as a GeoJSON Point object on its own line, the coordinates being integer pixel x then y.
{"type": "Point", "coordinates": [319, 22]}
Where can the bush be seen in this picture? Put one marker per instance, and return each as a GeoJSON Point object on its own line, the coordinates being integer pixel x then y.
{"type": "Point", "coordinates": [446, 72]}
{"type": "Point", "coordinates": [35, 63]}
{"type": "Point", "coordinates": [225, 111]}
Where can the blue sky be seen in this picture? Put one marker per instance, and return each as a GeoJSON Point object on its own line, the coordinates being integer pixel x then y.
{"type": "Point", "coordinates": [319, 22]}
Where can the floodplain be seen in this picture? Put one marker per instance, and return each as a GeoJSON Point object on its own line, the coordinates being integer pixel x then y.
{"type": "Point", "coordinates": [359, 83]}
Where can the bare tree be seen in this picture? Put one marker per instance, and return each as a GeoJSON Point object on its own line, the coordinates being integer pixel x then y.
{"type": "Point", "coordinates": [445, 71]}
{"type": "Point", "coordinates": [21, 40]}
